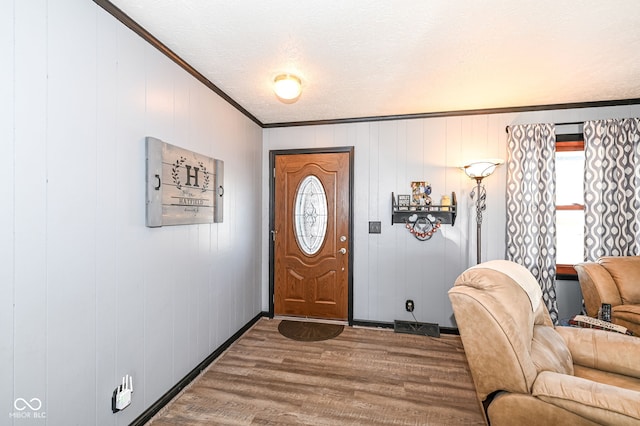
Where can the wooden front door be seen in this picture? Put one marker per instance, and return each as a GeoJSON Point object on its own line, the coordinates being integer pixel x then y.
{"type": "Point", "coordinates": [311, 224]}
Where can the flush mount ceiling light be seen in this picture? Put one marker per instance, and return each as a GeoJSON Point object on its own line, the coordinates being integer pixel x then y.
{"type": "Point", "coordinates": [287, 87]}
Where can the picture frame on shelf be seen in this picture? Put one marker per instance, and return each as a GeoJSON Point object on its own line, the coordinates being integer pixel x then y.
{"type": "Point", "coordinates": [421, 194]}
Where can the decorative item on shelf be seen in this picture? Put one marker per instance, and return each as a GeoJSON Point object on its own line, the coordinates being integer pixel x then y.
{"type": "Point", "coordinates": [478, 171]}
{"type": "Point", "coordinates": [445, 202]}
{"type": "Point", "coordinates": [421, 192]}
{"type": "Point", "coordinates": [404, 201]}
{"type": "Point", "coordinates": [423, 227]}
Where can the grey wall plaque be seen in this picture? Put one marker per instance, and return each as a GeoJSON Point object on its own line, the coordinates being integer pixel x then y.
{"type": "Point", "coordinates": [183, 187]}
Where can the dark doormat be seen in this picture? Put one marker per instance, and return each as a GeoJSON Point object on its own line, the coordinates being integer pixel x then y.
{"type": "Point", "coordinates": [309, 331]}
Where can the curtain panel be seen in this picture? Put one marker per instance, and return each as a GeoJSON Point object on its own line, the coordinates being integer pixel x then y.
{"type": "Point", "coordinates": [612, 188]}
{"type": "Point", "coordinates": [531, 214]}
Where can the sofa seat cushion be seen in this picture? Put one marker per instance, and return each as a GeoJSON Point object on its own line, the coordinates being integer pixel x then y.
{"type": "Point", "coordinates": [602, 403]}
{"type": "Point", "coordinates": [629, 313]}
{"type": "Point", "coordinates": [606, 377]}
{"type": "Point", "coordinates": [627, 316]}
{"type": "Point", "coordinates": [517, 409]}
{"type": "Point", "coordinates": [603, 350]}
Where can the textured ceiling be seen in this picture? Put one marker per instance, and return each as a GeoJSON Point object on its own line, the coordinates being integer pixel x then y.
{"type": "Point", "coordinates": [382, 57]}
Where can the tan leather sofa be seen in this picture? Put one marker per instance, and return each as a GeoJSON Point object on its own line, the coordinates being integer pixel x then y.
{"type": "Point", "coordinates": [614, 280]}
{"type": "Point", "coordinates": [528, 372]}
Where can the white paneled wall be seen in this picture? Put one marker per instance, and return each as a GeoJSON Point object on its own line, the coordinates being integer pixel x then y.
{"type": "Point", "coordinates": [393, 266]}
{"type": "Point", "coordinates": [7, 215]}
{"type": "Point", "coordinates": [87, 292]}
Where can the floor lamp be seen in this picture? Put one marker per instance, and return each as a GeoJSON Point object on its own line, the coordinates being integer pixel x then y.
{"type": "Point", "coordinates": [478, 171]}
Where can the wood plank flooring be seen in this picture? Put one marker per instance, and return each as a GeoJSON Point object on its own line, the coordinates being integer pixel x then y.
{"type": "Point", "coordinates": [364, 376]}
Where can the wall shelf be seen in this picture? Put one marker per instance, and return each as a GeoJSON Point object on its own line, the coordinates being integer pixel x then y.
{"type": "Point", "coordinates": [423, 221]}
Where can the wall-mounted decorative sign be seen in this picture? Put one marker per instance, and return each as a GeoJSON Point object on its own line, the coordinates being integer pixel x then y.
{"type": "Point", "coordinates": [183, 187]}
{"type": "Point", "coordinates": [404, 201]}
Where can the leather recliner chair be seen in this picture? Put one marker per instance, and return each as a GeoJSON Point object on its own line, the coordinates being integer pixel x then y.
{"type": "Point", "coordinates": [528, 372]}
{"type": "Point", "coordinates": [613, 280]}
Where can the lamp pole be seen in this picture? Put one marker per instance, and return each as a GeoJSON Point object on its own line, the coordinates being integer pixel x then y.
{"type": "Point", "coordinates": [481, 205]}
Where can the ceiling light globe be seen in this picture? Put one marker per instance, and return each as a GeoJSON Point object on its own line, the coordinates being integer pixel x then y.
{"type": "Point", "coordinates": [287, 86]}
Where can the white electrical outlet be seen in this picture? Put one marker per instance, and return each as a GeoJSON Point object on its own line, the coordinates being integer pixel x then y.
{"type": "Point", "coordinates": [122, 394]}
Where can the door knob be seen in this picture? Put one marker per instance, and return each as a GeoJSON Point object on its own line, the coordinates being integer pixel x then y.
{"type": "Point", "coordinates": [342, 251]}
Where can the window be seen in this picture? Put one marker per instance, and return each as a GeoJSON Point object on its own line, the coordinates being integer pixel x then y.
{"type": "Point", "coordinates": [310, 215]}
{"type": "Point", "coordinates": [569, 203]}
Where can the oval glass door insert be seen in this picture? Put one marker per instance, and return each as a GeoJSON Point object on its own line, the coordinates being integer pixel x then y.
{"type": "Point", "coordinates": [310, 215]}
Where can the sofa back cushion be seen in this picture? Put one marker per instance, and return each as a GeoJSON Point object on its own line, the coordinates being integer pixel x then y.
{"type": "Point", "coordinates": [625, 271]}
{"type": "Point", "coordinates": [497, 341]}
{"type": "Point", "coordinates": [496, 322]}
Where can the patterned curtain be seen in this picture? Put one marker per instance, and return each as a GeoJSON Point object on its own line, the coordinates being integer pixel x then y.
{"type": "Point", "coordinates": [531, 214]}
{"type": "Point", "coordinates": [612, 188]}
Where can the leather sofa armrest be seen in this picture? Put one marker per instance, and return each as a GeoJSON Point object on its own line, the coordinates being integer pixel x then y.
{"type": "Point", "coordinates": [601, 403]}
{"type": "Point", "coordinates": [597, 287]}
{"type": "Point", "coordinates": [603, 350]}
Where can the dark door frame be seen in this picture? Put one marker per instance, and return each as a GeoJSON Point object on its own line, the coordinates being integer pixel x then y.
{"type": "Point", "coordinates": [272, 167]}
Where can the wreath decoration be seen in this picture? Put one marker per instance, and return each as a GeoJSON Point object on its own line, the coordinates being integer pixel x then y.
{"type": "Point", "coordinates": [423, 228]}
{"type": "Point", "coordinates": [174, 171]}
{"type": "Point", "coordinates": [207, 176]}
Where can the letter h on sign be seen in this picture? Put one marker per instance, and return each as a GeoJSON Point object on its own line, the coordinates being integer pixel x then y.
{"type": "Point", "coordinates": [189, 175]}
